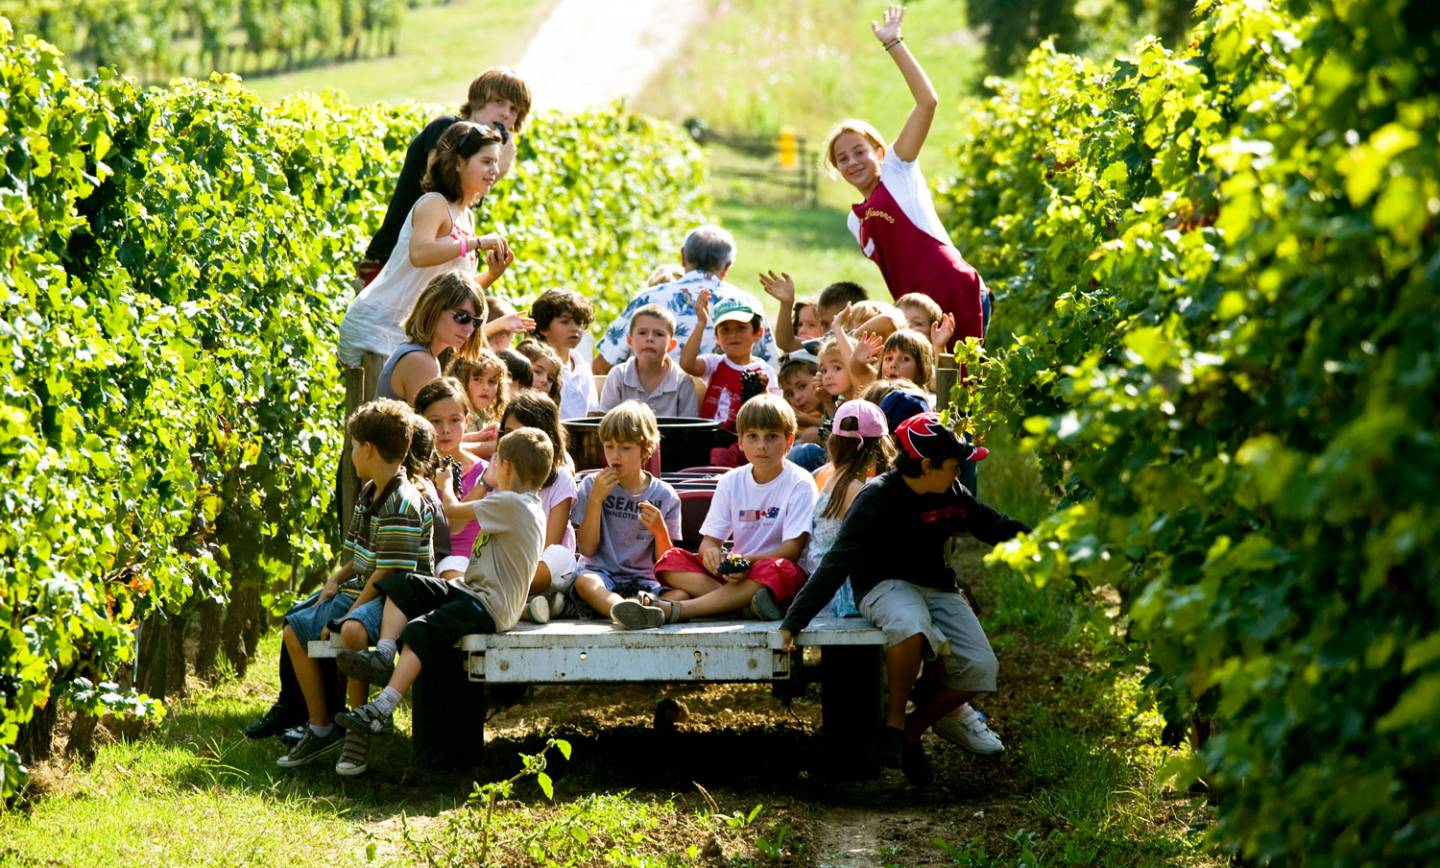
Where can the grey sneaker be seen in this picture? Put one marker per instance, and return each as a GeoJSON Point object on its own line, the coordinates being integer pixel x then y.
{"type": "Point", "coordinates": [633, 615]}
{"type": "Point", "coordinates": [311, 747]}
{"type": "Point", "coordinates": [763, 606]}
{"type": "Point", "coordinates": [368, 719]}
{"type": "Point", "coordinates": [370, 666]}
{"type": "Point", "coordinates": [353, 759]}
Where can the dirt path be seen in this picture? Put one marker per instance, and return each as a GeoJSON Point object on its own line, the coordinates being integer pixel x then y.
{"type": "Point", "coordinates": [588, 53]}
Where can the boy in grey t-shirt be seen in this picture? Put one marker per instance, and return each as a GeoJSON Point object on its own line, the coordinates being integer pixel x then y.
{"type": "Point", "coordinates": [626, 519]}
{"type": "Point", "coordinates": [433, 613]}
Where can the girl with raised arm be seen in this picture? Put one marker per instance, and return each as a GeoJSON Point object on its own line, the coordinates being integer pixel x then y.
{"type": "Point", "coordinates": [896, 223]}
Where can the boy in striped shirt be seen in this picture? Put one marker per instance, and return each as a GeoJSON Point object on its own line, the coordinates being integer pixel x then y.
{"type": "Point", "coordinates": [389, 535]}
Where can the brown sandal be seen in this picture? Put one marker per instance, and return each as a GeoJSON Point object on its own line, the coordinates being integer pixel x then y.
{"type": "Point", "coordinates": [672, 616]}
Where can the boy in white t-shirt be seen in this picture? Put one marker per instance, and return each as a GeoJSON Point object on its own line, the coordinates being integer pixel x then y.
{"type": "Point", "coordinates": [765, 508]}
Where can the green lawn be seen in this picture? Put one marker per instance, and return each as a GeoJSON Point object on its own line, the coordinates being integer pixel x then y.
{"type": "Point", "coordinates": [441, 47]}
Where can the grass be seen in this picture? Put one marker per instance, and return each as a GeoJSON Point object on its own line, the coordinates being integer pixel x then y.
{"type": "Point", "coordinates": [757, 65]}
{"type": "Point", "coordinates": [439, 49]}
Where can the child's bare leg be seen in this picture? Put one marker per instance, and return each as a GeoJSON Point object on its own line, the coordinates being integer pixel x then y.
{"type": "Point", "coordinates": [902, 665]}
{"type": "Point", "coordinates": [729, 597]}
{"type": "Point", "coordinates": [940, 702]}
{"type": "Point", "coordinates": [694, 584]}
{"type": "Point", "coordinates": [591, 588]}
{"type": "Point", "coordinates": [540, 582]}
{"type": "Point", "coordinates": [392, 622]}
{"type": "Point", "coordinates": [312, 683]}
{"type": "Point", "coordinates": [354, 638]}
{"type": "Point", "coordinates": [407, 669]}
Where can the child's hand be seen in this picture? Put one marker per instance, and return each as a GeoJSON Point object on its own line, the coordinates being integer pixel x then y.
{"type": "Point", "coordinates": [650, 515]}
{"type": "Point", "coordinates": [867, 348]}
{"type": "Point", "coordinates": [496, 261]}
{"type": "Point", "coordinates": [605, 482]}
{"type": "Point", "coordinates": [710, 556]}
{"type": "Point", "coordinates": [516, 322]}
{"type": "Point", "coordinates": [781, 288]}
{"type": "Point", "coordinates": [787, 640]}
{"type": "Point", "coordinates": [941, 332]}
{"type": "Point", "coordinates": [702, 308]}
{"type": "Point", "coordinates": [888, 30]}
{"type": "Point", "coordinates": [490, 433]}
{"type": "Point", "coordinates": [332, 587]}
{"type": "Point", "coordinates": [495, 243]}
{"type": "Point", "coordinates": [837, 325]}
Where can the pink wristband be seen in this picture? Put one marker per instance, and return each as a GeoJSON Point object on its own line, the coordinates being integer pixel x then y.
{"type": "Point", "coordinates": [464, 248]}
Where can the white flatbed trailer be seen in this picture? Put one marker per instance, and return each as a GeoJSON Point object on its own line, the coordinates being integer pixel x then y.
{"type": "Point", "coordinates": [448, 704]}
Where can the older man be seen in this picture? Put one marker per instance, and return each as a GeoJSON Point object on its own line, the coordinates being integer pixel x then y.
{"type": "Point", "coordinates": [707, 254]}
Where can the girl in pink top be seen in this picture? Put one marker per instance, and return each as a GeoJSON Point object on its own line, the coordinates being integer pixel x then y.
{"type": "Point", "coordinates": [896, 223]}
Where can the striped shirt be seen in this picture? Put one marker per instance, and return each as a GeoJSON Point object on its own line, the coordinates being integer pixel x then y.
{"type": "Point", "coordinates": [393, 534]}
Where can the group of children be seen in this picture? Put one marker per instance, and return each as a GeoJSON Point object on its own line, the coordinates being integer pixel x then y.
{"type": "Point", "coordinates": [471, 517]}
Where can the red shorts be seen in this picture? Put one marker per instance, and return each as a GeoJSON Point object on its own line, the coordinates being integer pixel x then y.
{"type": "Point", "coordinates": [783, 577]}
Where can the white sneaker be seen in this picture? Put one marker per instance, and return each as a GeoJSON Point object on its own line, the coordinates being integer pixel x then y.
{"type": "Point", "coordinates": [969, 730]}
{"type": "Point", "coordinates": [537, 609]}
{"type": "Point", "coordinates": [560, 605]}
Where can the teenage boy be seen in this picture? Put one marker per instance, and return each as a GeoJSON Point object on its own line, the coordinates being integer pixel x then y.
{"type": "Point", "coordinates": [765, 508]}
{"type": "Point", "coordinates": [389, 538]}
{"type": "Point", "coordinates": [650, 375]}
{"type": "Point", "coordinates": [625, 520]}
{"type": "Point", "coordinates": [437, 612]}
{"type": "Point", "coordinates": [732, 375]}
{"type": "Point", "coordinates": [561, 317]}
{"type": "Point", "coordinates": [892, 548]}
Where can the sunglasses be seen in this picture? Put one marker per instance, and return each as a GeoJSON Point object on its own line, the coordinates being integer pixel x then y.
{"type": "Point", "coordinates": [464, 319]}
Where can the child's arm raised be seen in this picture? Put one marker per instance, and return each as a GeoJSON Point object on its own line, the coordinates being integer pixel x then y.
{"type": "Point", "coordinates": [917, 125]}
{"type": "Point", "coordinates": [863, 360]}
{"type": "Point", "coordinates": [690, 354]}
{"type": "Point", "coordinates": [782, 289]}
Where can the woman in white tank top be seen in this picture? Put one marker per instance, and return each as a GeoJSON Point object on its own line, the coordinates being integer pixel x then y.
{"type": "Point", "coordinates": [438, 237]}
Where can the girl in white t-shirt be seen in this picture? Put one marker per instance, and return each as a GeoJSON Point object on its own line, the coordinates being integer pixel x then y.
{"type": "Point", "coordinates": [764, 509]}
{"type": "Point", "coordinates": [896, 223]}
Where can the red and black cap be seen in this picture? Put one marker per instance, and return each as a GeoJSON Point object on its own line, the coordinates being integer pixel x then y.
{"type": "Point", "coordinates": [925, 436]}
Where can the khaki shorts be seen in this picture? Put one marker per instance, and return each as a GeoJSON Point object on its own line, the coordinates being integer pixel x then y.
{"type": "Point", "coordinates": [952, 633]}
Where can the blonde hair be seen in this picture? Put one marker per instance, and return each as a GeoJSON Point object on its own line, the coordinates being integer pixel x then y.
{"type": "Point", "coordinates": [657, 312]}
{"type": "Point", "coordinates": [661, 274]}
{"type": "Point", "coordinates": [766, 413]}
{"type": "Point", "coordinates": [631, 422]}
{"type": "Point", "coordinates": [535, 351]}
{"type": "Point", "coordinates": [444, 293]}
{"type": "Point", "coordinates": [864, 311]}
{"type": "Point", "coordinates": [918, 347]}
{"type": "Point", "coordinates": [922, 301]}
{"type": "Point", "coordinates": [530, 453]}
{"type": "Point", "coordinates": [485, 362]}
{"type": "Point", "coordinates": [850, 125]}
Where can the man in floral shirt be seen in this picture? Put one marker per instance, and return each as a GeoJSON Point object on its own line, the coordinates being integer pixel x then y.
{"type": "Point", "coordinates": [707, 255]}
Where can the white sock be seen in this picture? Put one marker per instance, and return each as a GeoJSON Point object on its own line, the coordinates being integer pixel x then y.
{"type": "Point", "coordinates": [388, 699]}
{"type": "Point", "coordinates": [386, 648]}
{"type": "Point", "coordinates": [322, 731]}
